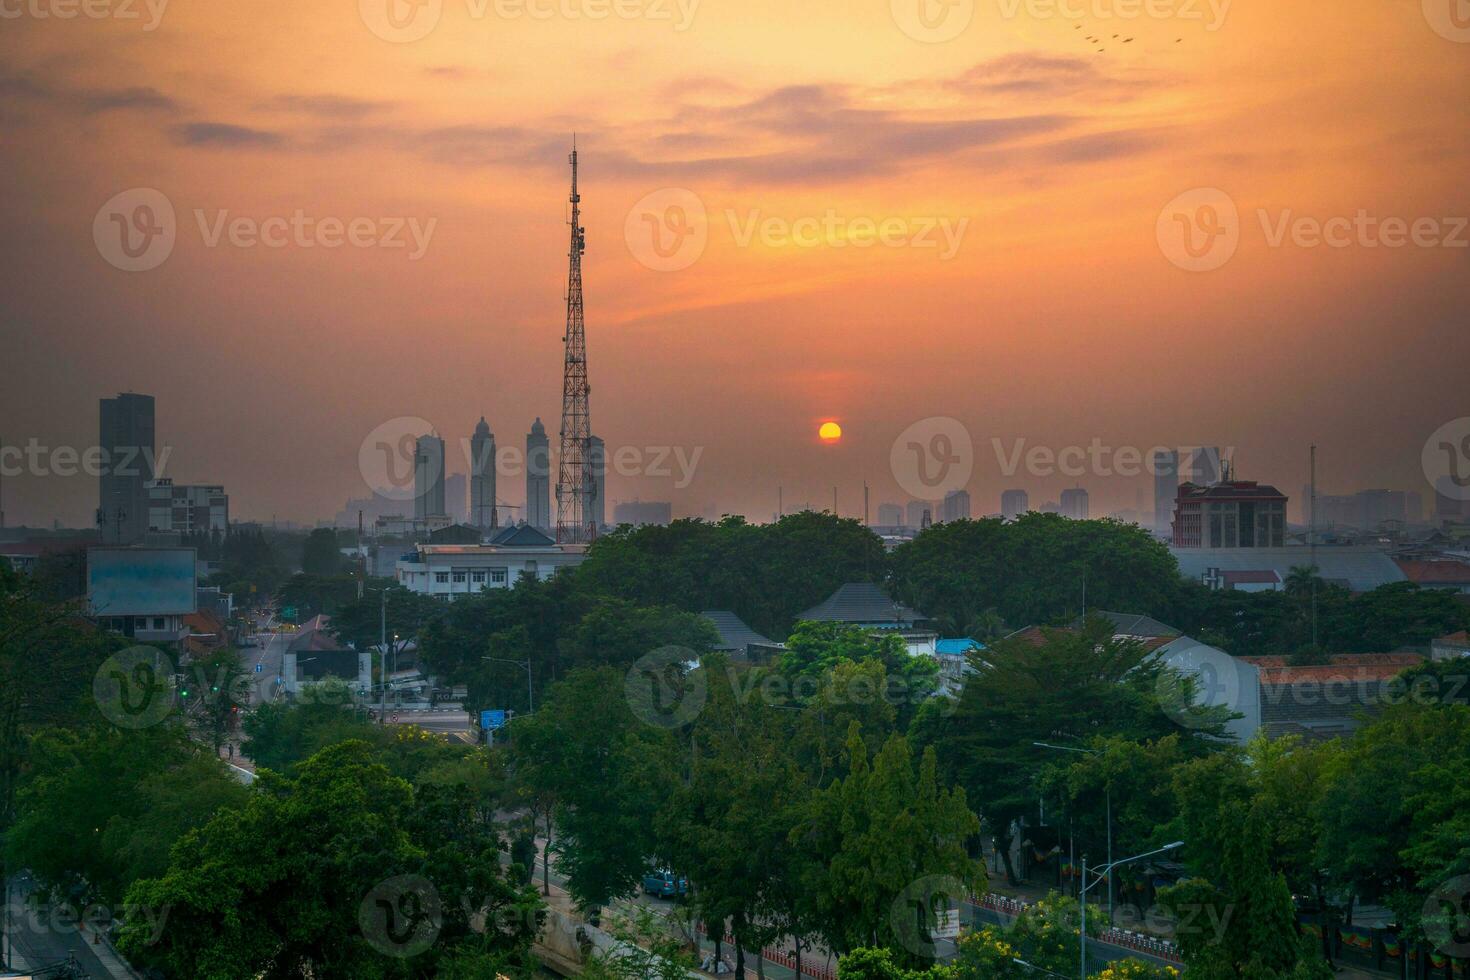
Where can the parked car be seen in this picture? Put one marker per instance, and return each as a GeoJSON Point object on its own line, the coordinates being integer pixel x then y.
{"type": "Point", "coordinates": [663, 883]}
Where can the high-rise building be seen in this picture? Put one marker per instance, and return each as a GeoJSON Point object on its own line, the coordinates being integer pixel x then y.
{"type": "Point", "coordinates": [1166, 488]}
{"type": "Point", "coordinates": [1205, 466]}
{"type": "Point", "coordinates": [1014, 503]}
{"type": "Point", "coordinates": [920, 514]}
{"type": "Point", "coordinates": [956, 506]}
{"type": "Point", "coordinates": [126, 438]}
{"type": "Point", "coordinates": [1074, 503]}
{"type": "Point", "coordinates": [482, 477]}
{"type": "Point", "coordinates": [1236, 514]}
{"type": "Point", "coordinates": [457, 498]}
{"type": "Point", "coordinates": [890, 515]}
{"type": "Point", "coordinates": [538, 477]}
{"type": "Point", "coordinates": [596, 514]}
{"type": "Point", "coordinates": [428, 478]}
{"type": "Point", "coordinates": [187, 509]}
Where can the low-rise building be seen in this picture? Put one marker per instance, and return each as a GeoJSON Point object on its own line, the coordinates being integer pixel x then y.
{"type": "Point", "coordinates": [1328, 700]}
{"type": "Point", "coordinates": [1444, 573]}
{"type": "Point", "coordinates": [1450, 647]}
{"type": "Point", "coordinates": [739, 640]}
{"type": "Point", "coordinates": [449, 570]}
{"type": "Point", "coordinates": [1229, 514]}
{"type": "Point", "coordinates": [178, 508]}
{"type": "Point", "coordinates": [866, 605]}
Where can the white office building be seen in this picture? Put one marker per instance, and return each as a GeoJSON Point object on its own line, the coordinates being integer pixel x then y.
{"type": "Point", "coordinates": [186, 508]}
{"type": "Point", "coordinates": [449, 570]}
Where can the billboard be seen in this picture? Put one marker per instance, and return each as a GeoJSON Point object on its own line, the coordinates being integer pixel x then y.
{"type": "Point", "coordinates": [141, 581]}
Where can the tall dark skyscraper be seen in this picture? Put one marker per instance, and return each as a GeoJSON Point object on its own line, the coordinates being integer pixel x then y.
{"type": "Point", "coordinates": [482, 477]}
{"type": "Point", "coordinates": [596, 515]}
{"type": "Point", "coordinates": [126, 436]}
{"type": "Point", "coordinates": [538, 477]}
{"type": "Point", "coordinates": [1166, 488]}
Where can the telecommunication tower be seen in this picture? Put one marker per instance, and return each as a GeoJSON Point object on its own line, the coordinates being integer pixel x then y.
{"type": "Point", "coordinates": [572, 490]}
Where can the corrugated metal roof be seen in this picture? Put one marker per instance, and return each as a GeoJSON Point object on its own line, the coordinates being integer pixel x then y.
{"type": "Point", "coordinates": [1362, 568]}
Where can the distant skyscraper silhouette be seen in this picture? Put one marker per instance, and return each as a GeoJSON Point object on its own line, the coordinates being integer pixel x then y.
{"type": "Point", "coordinates": [1014, 503]}
{"type": "Point", "coordinates": [126, 436]}
{"type": "Point", "coordinates": [1166, 488]}
{"type": "Point", "coordinates": [538, 477]}
{"type": "Point", "coordinates": [1074, 503]}
{"type": "Point", "coordinates": [428, 477]}
{"type": "Point", "coordinates": [1206, 468]}
{"type": "Point", "coordinates": [956, 506]}
{"type": "Point", "coordinates": [596, 515]}
{"type": "Point", "coordinates": [482, 477]}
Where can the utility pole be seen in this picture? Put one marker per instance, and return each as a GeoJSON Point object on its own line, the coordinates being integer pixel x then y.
{"type": "Point", "coordinates": [572, 490]}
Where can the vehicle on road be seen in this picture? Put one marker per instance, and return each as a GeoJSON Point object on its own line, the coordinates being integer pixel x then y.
{"type": "Point", "coordinates": [663, 883]}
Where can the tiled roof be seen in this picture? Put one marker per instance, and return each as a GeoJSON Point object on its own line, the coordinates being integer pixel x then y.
{"type": "Point", "coordinates": [1435, 572]}
{"type": "Point", "coordinates": [1344, 668]}
{"type": "Point", "coordinates": [734, 633]}
{"type": "Point", "coordinates": [521, 536]}
{"type": "Point", "coordinates": [861, 602]}
{"type": "Point", "coordinates": [1256, 576]}
{"type": "Point", "coordinates": [1135, 624]}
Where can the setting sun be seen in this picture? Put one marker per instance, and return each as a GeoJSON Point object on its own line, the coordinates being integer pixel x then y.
{"type": "Point", "coordinates": [830, 432]}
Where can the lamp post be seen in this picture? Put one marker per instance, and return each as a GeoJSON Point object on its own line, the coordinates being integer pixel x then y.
{"type": "Point", "coordinates": [1108, 871]}
{"type": "Point", "coordinates": [1108, 796]}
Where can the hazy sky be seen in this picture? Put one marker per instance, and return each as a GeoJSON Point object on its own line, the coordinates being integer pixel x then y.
{"type": "Point", "coordinates": [959, 211]}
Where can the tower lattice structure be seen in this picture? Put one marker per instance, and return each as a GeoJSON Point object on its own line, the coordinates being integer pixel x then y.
{"type": "Point", "coordinates": [572, 490]}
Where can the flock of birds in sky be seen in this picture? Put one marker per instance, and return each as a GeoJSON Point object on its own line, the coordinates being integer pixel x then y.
{"type": "Point", "coordinates": [1097, 41]}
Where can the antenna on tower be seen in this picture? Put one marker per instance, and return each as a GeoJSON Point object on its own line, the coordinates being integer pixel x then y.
{"type": "Point", "coordinates": [572, 490]}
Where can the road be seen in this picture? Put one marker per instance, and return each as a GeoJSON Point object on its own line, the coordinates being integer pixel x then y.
{"type": "Point", "coordinates": [266, 665]}
{"type": "Point", "coordinates": [47, 936]}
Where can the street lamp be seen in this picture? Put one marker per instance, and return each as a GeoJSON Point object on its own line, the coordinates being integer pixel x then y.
{"type": "Point", "coordinates": [1107, 790]}
{"type": "Point", "coordinates": [1108, 871]}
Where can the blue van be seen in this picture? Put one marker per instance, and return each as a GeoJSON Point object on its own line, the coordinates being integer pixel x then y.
{"type": "Point", "coordinates": [665, 884]}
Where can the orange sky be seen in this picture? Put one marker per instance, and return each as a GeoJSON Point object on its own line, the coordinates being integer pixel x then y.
{"type": "Point", "coordinates": [1058, 318]}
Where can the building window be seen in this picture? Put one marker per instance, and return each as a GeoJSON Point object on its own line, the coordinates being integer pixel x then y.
{"type": "Point", "coordinates": [478, 577]}
{"type": "Point", "coordinates": [442, 578]}
{"type": "Point", "coordinates": [497, 576]}
{"type": "Point", "coordinates": [459, 580]}
{"type": "Point", "coordinates": [159, 623]}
